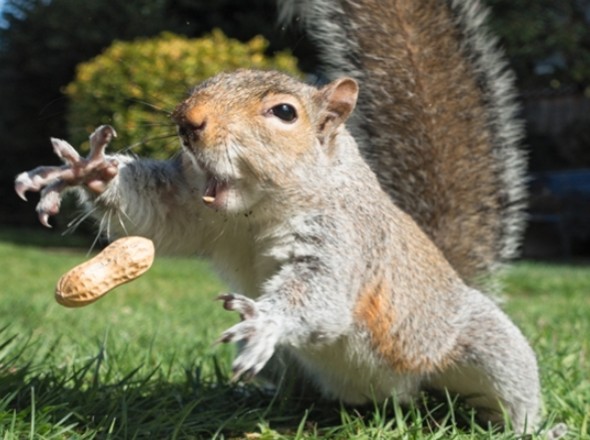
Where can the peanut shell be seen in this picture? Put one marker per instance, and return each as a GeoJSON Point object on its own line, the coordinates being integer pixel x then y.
{"type": "Point", "coordinates": [122, 261]}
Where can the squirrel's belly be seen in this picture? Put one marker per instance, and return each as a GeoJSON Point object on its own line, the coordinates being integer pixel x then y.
{"type": "Point", "coordinates": [348, 371]}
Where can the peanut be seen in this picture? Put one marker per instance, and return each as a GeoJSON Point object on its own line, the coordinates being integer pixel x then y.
{"type": "Point", "coordinates": [122, 261]}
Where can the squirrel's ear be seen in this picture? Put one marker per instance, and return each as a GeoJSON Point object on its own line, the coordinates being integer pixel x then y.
{"type": "Point", "coordinates": [336, 101]}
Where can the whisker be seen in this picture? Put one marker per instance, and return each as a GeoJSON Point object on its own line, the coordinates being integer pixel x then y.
{"type": "Point", "coordinates": [44, 112]}
{"type": "Point", "coordinates": [98, 235]}
{"type": "Point", "coordinates": [123, 227]}
{"type": "Point", "coordinates": [147, 140]}
{"type": "Point", "coordinates": [147, 123]}
{"type": "Point", "coordinates": [110, 217]}
{"type": "Point", "coordinates": [175, 154]}
{"type": "Point", "coordinates": [150, 97]}
{"type": "Point", "coordinates": [166, 111]}
{"type": "Point", "coordinates": [78, 220]}
{"type": "Point", "coordinates": [120, 212]}
{"type": "Point", "coordinates": [48, 116]}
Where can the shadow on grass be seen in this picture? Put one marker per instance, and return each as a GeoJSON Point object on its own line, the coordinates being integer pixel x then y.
{"type": "Point", "coordinates": [140, 405]}
{"type": "Point", "coordinates": [85, 402]}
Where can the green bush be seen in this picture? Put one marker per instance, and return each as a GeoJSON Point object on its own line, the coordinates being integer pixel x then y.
{"type": "Point", "coordinates": [134, 85]}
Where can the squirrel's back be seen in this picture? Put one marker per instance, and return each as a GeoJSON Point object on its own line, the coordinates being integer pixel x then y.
{"type": "Point", "coordinates": [436, 117]}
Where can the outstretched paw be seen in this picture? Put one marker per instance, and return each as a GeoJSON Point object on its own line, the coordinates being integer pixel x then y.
{"type": "Point", "coordinates": [258, 331]}
{"type": "Point", "coordinates": [95, 172]}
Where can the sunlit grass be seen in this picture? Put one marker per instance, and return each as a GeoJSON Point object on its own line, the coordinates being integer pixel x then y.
{"type": "Point", "coordinates": [141, 363]}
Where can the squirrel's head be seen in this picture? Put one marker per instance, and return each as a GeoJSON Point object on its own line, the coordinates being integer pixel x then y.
{"type": "Point", "coordinates": [251, 132]}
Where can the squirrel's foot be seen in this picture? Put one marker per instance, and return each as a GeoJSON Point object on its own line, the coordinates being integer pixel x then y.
{"type": "Point", "coordinates": [258, 331]}
{"type": "Point", "coordinates": [556, 432]}
{"type": "Point", "coordinates": [94, 172]}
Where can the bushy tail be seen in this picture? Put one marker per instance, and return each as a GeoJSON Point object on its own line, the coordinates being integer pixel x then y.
{"type": "Point", "coordinates": [436, 117]}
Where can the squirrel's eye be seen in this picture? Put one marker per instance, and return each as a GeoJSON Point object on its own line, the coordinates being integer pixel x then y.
{"type": "Point", "coordinates": [285, 112]}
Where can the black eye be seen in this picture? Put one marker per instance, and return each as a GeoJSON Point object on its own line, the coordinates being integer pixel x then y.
{"type": "Point", "coordinates": [285, 112]}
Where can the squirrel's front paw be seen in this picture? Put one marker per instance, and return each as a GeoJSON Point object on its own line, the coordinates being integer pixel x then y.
{"type": "Point", "coordinates": [95, 172]}
{"type": "Point", "coordinates": [258, 331]}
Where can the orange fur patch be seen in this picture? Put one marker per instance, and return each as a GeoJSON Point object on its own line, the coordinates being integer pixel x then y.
{"type": "Point", "coordinates": [197, 114]}
{"type": "Point", "coordinates": [401, 349]}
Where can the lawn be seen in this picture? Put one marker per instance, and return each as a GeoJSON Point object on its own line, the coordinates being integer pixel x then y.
{"type": "Point", "coordinates": [141, 362]}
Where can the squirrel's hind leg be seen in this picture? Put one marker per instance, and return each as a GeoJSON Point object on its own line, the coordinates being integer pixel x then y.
{"type": "Point", "coordinates": [496, 370]}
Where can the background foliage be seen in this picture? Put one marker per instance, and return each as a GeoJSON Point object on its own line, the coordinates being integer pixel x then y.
{"type": "Point", "coordinates": [42, 42]}
{"type": "Point", "coordinates": [134, 85]}
{"type": "Point", "coordinates": [548, 41]}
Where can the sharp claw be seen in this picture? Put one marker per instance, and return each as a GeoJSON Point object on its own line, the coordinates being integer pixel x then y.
{"type": "Point", "coordinates": [234, 378]}
{"type": "Point", "coordinates": [236, 374]}
{"type": "Point", "coordinates": [107, 131]}
{"type": "Point", "coordinates": [223, 339]}
{"type": "Point", "coordinates": [50, 201]}
{"type": "Point", "coordinates": [248, 375]}
{"type": "Point", "coordinates": [99, 140]}
{"type": "Point", "coordinates": [65, 151]}
{"type": "Point", "coordinates": [22, 183]}
{"type": "Point", "coordinates": [238, 303]}
{"type": "Point", "coordinates": [44, 219]}
{"type": "Point", "coordinates": [245, 375]}
{"type": "Point", "coordinates": [103, 133]}
{"type": "Point", "coordinates": [224, 297]}
{"type": "Point", "coordinates": [21, 190]}
{"type": "Point", "coordinates": [51, 181]}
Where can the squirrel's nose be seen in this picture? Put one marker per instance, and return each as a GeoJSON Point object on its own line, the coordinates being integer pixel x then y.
{"type": "Point", "coordinates": [192, 130]}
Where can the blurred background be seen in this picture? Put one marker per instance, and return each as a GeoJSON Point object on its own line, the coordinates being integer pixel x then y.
{"type": "Point", "coordinates": [67, 66]}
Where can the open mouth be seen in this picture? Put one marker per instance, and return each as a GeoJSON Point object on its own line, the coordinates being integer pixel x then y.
{"type": "Point", "coordinates": [216, 192]}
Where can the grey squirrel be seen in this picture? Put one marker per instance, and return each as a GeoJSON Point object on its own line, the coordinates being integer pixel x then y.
{"type": "Point", "coordinates": [356, 254]}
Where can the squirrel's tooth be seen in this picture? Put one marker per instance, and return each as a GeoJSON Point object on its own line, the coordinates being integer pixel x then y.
{"type": "Point", "coordinates": [208, 199]}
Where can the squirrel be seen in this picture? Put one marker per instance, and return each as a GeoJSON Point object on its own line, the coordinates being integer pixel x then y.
{"type": "Point", "coordinates": [357, 239]}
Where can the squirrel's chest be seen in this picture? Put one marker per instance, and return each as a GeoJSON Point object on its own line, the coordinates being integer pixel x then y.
{"type": "Point", "coordinates": [243, 260]}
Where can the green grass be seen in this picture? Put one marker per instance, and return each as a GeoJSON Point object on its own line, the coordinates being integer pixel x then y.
{"type": "Point", "coordinates": [141, 362]}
